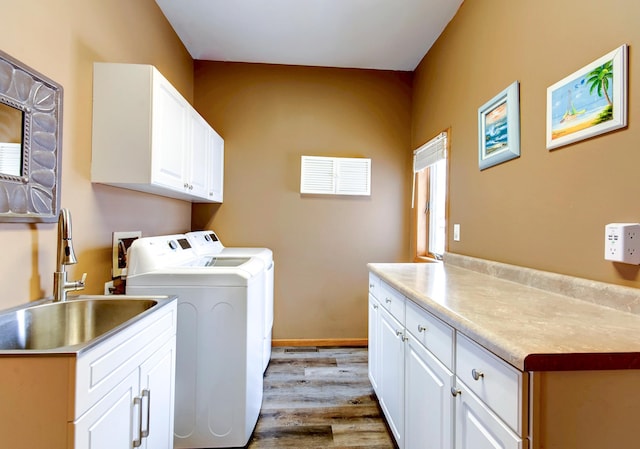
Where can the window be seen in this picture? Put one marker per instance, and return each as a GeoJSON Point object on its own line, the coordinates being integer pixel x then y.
{"type": "Point", "coordinates": [430, 197]}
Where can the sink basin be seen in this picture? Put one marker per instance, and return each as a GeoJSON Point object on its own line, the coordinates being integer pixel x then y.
{"type": "Point", "coordinates": [77, 321]}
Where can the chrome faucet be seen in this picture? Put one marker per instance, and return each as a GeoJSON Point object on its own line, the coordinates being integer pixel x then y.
{"type": "Point", "coordinates": [66, 256]}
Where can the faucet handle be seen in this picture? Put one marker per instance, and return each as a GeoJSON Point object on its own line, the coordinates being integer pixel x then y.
{"type": "Point", "coordinates": [81, 281]}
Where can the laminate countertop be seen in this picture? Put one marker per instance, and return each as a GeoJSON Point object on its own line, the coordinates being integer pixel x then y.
{"type": "Point", "coordinates": [530, 328]}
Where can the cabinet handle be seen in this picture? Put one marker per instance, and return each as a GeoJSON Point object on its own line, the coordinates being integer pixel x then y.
{"type": "Point", "coordinates": [455, 392]}
{"type": "Point", "coordinates": [146, 394]}
{"type": "Point", "coordinates": [476, 374]}
{"type": "Point", "coordinates": [387, 300]}
{"type": "Point", "coordinates": [398, 333]}
{"type": "Point", "coordinates": [375, 306]}
{"type": "Point", "coordinates": [422, 328]}
{"type": "Point", "coordinates": [371, 285]}
{"type": "Point", "coordinates": [137, 402]}
{"type": "Point", "coordinates": [405, 338]}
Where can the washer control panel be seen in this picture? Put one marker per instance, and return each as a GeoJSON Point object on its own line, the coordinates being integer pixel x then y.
{"type": "Point", "coordinates": [205, 242]}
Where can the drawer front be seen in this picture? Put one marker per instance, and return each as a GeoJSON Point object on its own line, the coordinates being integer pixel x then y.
{"type": "Point", "coordinates": [435, 335]}
{"type": "Point", "coordinates": [495, 382]}
{"type": "Point", "coordinates": [374, 285]}
{"type": "Point", "coordinates": [393, 301]}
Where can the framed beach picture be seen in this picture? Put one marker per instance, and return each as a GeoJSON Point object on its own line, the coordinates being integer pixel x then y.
{"type": "Point", "coordinates": [499, 128]}
{"type": "Point", "coordinates": [588, 102]}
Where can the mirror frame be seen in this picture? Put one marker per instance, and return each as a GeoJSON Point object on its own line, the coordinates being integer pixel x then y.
{"type": "Point", "coordinates": [34, 196]}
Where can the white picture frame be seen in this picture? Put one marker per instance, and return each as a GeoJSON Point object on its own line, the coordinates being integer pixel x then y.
{"type": "Point", "coordinates": [589, 102]}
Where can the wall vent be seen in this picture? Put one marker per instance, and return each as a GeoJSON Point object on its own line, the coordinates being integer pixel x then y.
{"type": "Point", "coordinates": [335, 175]}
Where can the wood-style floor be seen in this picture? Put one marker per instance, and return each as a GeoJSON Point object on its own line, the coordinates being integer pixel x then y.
{"type": "Point", "coordinates": [319, 398]}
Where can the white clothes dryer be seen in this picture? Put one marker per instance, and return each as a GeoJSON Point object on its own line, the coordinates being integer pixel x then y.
{"type": "Point", "coordinates": [208, 243]}
{"type": "Point", "coordinates": [219, 342]}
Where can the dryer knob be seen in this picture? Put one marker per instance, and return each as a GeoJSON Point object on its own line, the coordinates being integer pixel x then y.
{"type": "Point", "coordinates": [207, 238]}
{"type": "Point", "coordinates": [173, 244]}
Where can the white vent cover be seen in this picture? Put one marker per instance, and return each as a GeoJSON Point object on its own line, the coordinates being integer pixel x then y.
{"type": "Point", "coordinates": [335, 175]}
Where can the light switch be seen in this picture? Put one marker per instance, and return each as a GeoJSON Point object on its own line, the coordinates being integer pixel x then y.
{"type": "Point", "coordinates": [456, 232]}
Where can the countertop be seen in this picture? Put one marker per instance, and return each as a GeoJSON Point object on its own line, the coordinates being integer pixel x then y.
{"type": "Point", "coordinates": [530, 328]}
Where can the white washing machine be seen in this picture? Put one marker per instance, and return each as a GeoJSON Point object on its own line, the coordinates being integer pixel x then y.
{"type": "Point", "coordinates": [208, 243]}
{"type": "Point", "coordinates": [219, 344]}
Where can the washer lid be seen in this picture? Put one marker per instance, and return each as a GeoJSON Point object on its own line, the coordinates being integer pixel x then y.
{"type": "Point", "coordinates": [213, 261]}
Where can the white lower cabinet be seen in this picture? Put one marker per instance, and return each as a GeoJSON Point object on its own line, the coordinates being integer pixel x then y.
{"type": "Point", "coordinates": [138, 410]}
{"type": "Point", "coordinates": [428, 404]}
{"type": "Point", "coordinates": [422, 369]}
{"type": "Point", "coordinates": [477, 427]}
{"type": "Point", "coordinates": [392, 374]}
{"type": "Point", "coordinates": [157, 377]}
{"type": "Point", "coordinates": [109, 424]}
{"type": "Point", "coordinates": [118, 394]}
{"type": "Point", "coordinates": [374, 345]}
{"type": "Point", "coordinates": [129, 415]}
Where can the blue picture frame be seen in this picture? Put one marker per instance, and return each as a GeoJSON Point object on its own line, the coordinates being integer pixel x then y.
{"type": "Point", "coordinates": [499, 128]}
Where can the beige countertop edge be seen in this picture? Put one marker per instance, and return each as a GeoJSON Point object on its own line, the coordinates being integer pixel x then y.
{"type": "Point", "coordinates": [531, 329]}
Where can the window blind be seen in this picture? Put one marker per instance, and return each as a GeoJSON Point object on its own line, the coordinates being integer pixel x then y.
{"type": "Point", "coordinates": [430, 153]}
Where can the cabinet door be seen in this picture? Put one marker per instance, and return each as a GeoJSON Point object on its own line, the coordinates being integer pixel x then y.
{"type": "Point", "coordinates": [200, 161]}
{"type": "Point", "coordinates": [428, 400]}
{"type": "Point", "coordinates": [157, 376]}
{"type": "Point", "coordinates": [113, 422]}
{"type": "Point", "coordinates": [170, 115]}
{"type": "Point", "coordinates": [479, 428]}
{"type": "Point", "coordinates": [392, 373]}
{"type": "Point", "coordinates": [217, 167]}
{"type": "Point", "coordinates": [374, 343]}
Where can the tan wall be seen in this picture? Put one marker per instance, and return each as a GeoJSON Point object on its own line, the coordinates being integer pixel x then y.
{"type": "Point", "coordinates": [62, 39]}
{"type": "Point", "coordinates": [548, 209]}
{"type": "Point", "coordinates": [271, 115]}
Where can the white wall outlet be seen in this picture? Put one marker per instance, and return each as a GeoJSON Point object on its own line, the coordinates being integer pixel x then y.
{"type": "Point", "coordinates": [622, 242]}
{"type": "Point", "coordinates": [456, 232]}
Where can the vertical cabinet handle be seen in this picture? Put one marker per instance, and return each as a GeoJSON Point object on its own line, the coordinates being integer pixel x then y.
{"type": "Point", "coordinates": [144, 432]}
{"type": "Point", "coordinates": [137, 402]}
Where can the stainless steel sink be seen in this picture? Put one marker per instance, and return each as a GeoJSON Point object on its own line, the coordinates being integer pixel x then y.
{"type": "Point", "coordinates": [78, 321]}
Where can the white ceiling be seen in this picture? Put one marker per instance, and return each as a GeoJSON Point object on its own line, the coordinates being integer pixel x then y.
{"type": "Point", "coordinates": [370, 34]}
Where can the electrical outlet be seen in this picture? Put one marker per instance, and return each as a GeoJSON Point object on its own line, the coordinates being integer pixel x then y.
{"type": "Point", "coordinates": [456, 232]}
{"type": "Point", "coordinates": [622, 243]}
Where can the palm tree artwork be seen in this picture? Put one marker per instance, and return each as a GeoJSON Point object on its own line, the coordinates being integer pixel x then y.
{"type": "Point", "coordinates": [590, 101]}
{"type": "Point", "coordinates": [598, 81]}
{"type": "Point", "coordinates": [584, 101]}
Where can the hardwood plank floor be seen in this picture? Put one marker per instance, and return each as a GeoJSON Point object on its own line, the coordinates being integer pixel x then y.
{"type": "Point", "coordinates": [319, 398]}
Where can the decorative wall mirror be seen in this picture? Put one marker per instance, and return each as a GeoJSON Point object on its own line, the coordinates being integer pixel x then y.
{"type": "Point", "coordinates": [30, 139]}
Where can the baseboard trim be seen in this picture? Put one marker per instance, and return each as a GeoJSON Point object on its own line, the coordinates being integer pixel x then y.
{"type": "Point", "coordinates": [320, 342]}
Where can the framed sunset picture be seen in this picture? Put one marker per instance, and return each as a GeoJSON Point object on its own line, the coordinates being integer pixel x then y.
{"type": "Point", "coordinates": [499, 128]}
{"type": "Point", "coordinates": [589, 102]}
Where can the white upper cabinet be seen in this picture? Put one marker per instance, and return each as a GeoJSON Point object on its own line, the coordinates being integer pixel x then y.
{"type": "Point", "coordinates": [147, 137]}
